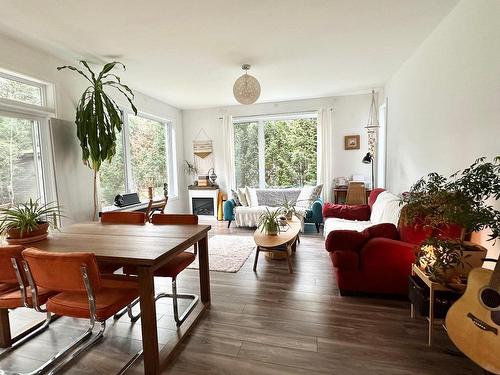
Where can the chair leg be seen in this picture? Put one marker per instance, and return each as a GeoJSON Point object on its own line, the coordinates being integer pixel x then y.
{"type": "Point", "coordinates": [229, 223]}
{"type": "Point", "coordinates": [256, 259]}
{"type": "Point", "coordinates": [175, 296]}
{"type": "Point", "coordinates": [317, 227]}
{"type": "Point", "coordinates": [128, 310]}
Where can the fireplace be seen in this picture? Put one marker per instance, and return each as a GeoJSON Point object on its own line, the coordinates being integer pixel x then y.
{"type": "Point", "coordinates": [203, 206]}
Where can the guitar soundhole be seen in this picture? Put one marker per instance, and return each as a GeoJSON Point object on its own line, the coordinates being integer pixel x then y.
{"type": "Point", "coordinates": [490, 298]}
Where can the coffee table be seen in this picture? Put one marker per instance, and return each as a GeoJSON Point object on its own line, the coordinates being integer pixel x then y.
{"type": "Point", "coordinates": [284, 242]}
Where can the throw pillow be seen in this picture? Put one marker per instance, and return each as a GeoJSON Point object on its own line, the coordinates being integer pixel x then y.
{"type": "Point", "coordinates": [253, 201]}
{"type": "Point", "coordinates": [307, 196]}
{"type": "Point", "coordinates": [242, 195]}
{"type": "Point", "coordinates": [236, 199]}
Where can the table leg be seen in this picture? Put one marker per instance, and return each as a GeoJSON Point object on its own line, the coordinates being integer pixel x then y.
{"type": "Point", "coordinates": [256, 259]}
{"type": "Point", "coordinates": [431, 315]}
{"type": "Point", "coordinates": [148, 321]}
{"type": "Point", "coordinates": [204, 270]}
{"type": "Point", "coordinates": [5, 337]}
{"type": "Point", "coordinates": [289, 257]}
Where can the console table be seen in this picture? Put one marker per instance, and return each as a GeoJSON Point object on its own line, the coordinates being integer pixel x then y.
{"type": "Point", "coordinates": [340, 194]}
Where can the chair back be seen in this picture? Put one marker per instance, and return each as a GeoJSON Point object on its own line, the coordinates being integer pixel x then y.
{"type": "Point", "coordinates": [356, 193]}
{"type": "Point", "coordinates": [62, 272]}
{"type": "Point", "coordinates": [155, 206]}
{"type": "Point", "coordinates": [123, 217]}
{"type": "Point", "coordinates": [7, 252]}
{"type": "Point", "coordinates": [172, 219]}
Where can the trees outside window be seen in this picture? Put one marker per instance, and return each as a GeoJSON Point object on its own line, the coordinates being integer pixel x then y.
{"type": "Point", "coordinates": [276, 153]}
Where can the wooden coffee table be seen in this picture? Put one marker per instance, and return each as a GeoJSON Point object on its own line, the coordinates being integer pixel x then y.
{"type": "Point", "coordinates": [282, 243]}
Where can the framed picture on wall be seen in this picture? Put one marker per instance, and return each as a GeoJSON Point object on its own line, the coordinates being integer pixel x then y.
{"type": "Point", "coordinates": [351, 142]}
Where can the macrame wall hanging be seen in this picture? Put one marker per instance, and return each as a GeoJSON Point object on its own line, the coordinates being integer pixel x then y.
{"type": "Point", "coordinates": [203, 152]}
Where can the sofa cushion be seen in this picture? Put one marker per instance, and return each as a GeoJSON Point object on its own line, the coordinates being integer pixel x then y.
{"type": "Point", "coordinates": [242, 195]}
{"type": "Point", "coordinates": [357, 212]}
{"type": "Point", "coordinates": [252, 199]}
{"type": "Point", "coordinates": [386, 209]}
{"type": "Point", "coordinates": [307, 196]}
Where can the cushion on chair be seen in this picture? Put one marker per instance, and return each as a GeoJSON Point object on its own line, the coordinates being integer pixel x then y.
{"type": "Point", "coordinates": [113, 296]}
{"type": "Point", "coordinates": [13, 299]}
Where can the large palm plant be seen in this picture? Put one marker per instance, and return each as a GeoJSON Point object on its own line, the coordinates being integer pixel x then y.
{"type": "Point", "coordinates": [98, 117]}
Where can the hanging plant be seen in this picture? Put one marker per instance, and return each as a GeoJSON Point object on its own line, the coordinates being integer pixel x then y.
{"type": "Point", "coordinates": [98, 117]}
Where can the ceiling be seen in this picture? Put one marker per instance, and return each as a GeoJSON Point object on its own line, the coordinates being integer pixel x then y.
{"type": "Point", "coordinates": [188, 53]}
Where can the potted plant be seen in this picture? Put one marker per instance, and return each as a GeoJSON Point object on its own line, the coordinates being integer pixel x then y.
{"type": "Point", "coordinates": [191, 170]}
{"type": "Point", "coordinates": [451, 209]}
{"type": "Point", "coordinates": [28, 222]}
{"type": "Point", "coordinates": [288, 209]}
{"type": "Point", "coordinates": [98, 117]}
{"type": "Point", "coordinates": [269, 222]}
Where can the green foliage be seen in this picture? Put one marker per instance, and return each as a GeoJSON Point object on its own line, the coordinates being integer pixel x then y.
{"type": "Point", "coordinates": [97, 115]}
{"type": "Point", "coordinates": [190, 169]}
{"type": "Point", "coordinates": [268, 221]}
{"type": "Point", "coordinates": [246, 151]}
{"type": "Point", "coordinates": [460, 199]}
{"type": "Point", "coordinates": [27, 216]}
{"type": "Point", "coordinates": [288, 209]}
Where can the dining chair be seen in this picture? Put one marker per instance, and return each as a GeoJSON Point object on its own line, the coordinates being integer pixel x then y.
{"type": "Point", "coordinates": [155, 207]}
{"type": "Point", "coordinates": [82, 293]}
{"type": "Point", "coordinates": [356, 193]}
{"type": "Point", "coordinates": [15, 293]}
{"type": "Point", "coordinates": [172, 269]}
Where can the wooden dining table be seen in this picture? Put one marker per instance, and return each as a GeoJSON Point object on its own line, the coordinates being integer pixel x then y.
{"type": "Point", "coordinates": [148, 247]}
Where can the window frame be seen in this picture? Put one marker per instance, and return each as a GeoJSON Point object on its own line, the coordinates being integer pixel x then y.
{"type": "Point", "coordinates": [260, 120]}
{"type": "Point", "coordinates": [170, 161]}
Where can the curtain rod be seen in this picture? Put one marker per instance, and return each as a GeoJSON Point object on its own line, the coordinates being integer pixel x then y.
{"type": "Point", "coordinates": [315, 112]}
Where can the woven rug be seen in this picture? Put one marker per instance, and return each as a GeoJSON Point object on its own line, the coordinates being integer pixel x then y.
{"type": "Point", "coordinates": [227, 253]}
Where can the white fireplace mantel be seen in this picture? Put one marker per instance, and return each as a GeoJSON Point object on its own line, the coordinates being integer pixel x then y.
{"type": "Point", "coordinates": [204, 193]}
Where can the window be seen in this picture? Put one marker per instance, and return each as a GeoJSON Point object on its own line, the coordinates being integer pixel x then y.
{"type": "Point", "coordinates": [143, 158]}
{"type": "Point", "coordinates": [276, 152]}
{"type": "Point", "coordinates": [21, 90]}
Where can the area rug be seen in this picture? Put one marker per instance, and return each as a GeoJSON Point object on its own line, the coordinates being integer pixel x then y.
{"type": "Point", "coordinates": [227, 253]}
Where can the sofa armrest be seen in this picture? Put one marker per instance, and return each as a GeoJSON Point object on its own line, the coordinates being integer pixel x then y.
{"type": "Point", "coordinates": [345, 260]}
{"type": "Point", "coordinates": [357, 212]}
{"type": "Point", "coordinates": [385, 253]}
{"type": "Point", "coordinates": [384, 230]}
{"type": "Point", "coordinates": [317, 211]}
{"type": "Point", "coordinates": [229, 209]}
{"type": "Point", "coordinates": [345, 240]}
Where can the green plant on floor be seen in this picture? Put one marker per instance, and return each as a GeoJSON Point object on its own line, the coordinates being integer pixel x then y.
{"type": "Point", "coordinates": [26, 217]}
{"type": "Point", "coordinates": [269, 222]}
{"type": "Point", "coordinates": [98, 117]}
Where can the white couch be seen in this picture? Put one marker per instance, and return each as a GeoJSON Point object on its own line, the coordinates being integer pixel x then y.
{"type": "Point", "coordinates": [386, 209]}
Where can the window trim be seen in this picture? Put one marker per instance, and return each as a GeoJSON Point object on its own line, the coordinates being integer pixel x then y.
{"type": "Point", "coordinates": [260, 120]}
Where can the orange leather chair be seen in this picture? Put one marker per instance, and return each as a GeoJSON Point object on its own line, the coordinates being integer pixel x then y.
{"type": "Point", "coordinates": [174, 266]}
{"type": "Point", "coordinates": [14, 293]}
{"type": "Point", "coordinates": [82, 293]}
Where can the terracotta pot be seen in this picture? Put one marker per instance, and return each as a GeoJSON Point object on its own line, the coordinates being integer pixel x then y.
{"type": "Point", "coordinates": [40, 232]}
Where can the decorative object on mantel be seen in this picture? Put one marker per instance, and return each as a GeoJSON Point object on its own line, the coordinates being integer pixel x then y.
{"type": "Point", "coordinates": [98, 117]}
{"type": "Point", "coordinates": [212, 176]}
{"type": "Point", "coordinates": [191, 170]}
{"type": "Point", "coordinates": [28, 222]}
{"type": "Point", "coordinates": [372, 126]}
{"type": "Point", "coordinates": [246, 89]}
{"type": "Point", "coordinates": [351, 142]}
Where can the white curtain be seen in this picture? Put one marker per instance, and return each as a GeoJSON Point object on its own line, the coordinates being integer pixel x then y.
{"type": "Point", "coordinates": [325, 152]}
{"type": "Point", "coordinates": [228, 141]}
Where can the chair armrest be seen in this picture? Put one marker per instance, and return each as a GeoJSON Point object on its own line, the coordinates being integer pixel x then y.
{"type": "Point", "coordinates": [385, 253]}
{"type": "Point", "coordinates": [384, 230]}
{"type": "Point", "coordinates": [228, 209]}
{"type": "Point", "coordinates": [317, 211]}
{"type": "Point", "coordinates": [357, 212]}
{"type": "Point", "coordinates": [345, 240]}
{"type": "Point", "coordinates": [345, 260]}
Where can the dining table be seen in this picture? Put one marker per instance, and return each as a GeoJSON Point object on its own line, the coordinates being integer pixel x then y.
{"type": "Point", "coordinates": [148, 247]}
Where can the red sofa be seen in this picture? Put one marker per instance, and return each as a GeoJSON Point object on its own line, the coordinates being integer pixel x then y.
{"type": "Point", "coordinates": [378, 259]}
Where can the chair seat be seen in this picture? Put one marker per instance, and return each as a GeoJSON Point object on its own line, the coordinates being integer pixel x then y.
{"type": "Point", "coordinates": [13, 299]}
{"type": "Point", "coordinates": [171, 269]}
{"type": "Point", "coordinates": [114, 295]}
{"type": "Point", "coordinates": [7, 287]}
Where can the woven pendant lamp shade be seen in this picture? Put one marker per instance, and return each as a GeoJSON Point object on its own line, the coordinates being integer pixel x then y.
{"type": "Point", "coordinates": [246, 89]}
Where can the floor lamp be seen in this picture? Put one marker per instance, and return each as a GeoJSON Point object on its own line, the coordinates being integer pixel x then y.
{"type": "Point", "coordinates": [368, 159]}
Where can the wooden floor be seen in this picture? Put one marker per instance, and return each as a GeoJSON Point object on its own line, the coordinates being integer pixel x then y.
{"type": "Point", "coordinates": [269, 322]}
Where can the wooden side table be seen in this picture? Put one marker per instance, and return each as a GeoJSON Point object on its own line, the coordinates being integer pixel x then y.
{"type": "Point", "coordinates": [433, 288]}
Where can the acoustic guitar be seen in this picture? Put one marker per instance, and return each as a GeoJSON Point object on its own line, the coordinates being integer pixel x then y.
{"type": "Point", "coordinates": [473, 322]}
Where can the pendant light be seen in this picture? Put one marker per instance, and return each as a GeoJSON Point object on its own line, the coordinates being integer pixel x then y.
{"type": "Point", "coordinates": [246, 89]}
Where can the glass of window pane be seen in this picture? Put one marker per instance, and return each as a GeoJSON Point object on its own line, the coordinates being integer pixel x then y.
{"type": "Point", "coordinates": [20, 91]}
{"type": "Point", "coordinates": [112, 175]}
{"type": "Point", "coordinates": [290, 152]}
{"type": "Point", "coordinates": [148, 154]}
{"type": "Point", "coordinates": [246, 153]}
{"type": "Point", "coordinates": [20, 161]}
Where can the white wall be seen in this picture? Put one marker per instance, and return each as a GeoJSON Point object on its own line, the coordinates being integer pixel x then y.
{"type": "Point", "coordinates": [75, 189]}
{"type": "Point", "coordinates": [350, 114]}
{"type": "Point", "coordinates": [444, 102]}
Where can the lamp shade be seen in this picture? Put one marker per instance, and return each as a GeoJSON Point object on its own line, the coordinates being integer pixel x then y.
{"type": "Point", "coordinates": [246, 89]}
{"type": "Point", "coordinates": [368, 158]}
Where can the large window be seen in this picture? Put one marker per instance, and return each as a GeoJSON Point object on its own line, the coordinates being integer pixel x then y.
{"type": "Point", "coordinates": [143, 159]}
{"type": "Point", "coordinates": [276, 152]}
{"type": "Point", "coordinates": [21, 90]}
